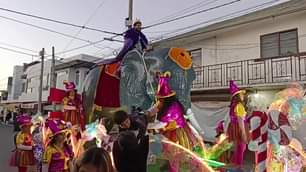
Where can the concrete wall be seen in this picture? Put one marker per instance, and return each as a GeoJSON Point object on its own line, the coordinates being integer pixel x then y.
{"type": "Point", "coordinates": [17, 82]}
{"type": "Point", "coordinates": [244, 42]}
{"type": "Point", "coordinates": [70, 75]}
{"type": "Point", "coordinates": [33, 82]}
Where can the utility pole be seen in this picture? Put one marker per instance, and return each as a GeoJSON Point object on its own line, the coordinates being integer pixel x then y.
{"type": "Point", "coordinates": [42, 54]}
{"type": "Point", "coordinates": [53, 77]}
{"type": "Point", "coordinates": [130, 18]}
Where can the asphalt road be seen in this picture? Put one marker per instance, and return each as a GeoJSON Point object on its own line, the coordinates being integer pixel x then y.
{"type": "Point", "coordinates": [6, 146]}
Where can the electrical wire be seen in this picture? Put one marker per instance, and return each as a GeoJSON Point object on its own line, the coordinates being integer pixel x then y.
{"type": "Point", "coordinates": [185, 10]}
{"type": "Point", "coordinates": [45, 29]}
{"type": "Point", "coordinates": [192, 14]}
{"type": "Point", "coordinates": [86, 23]}
{"type": "Point", "coordinates": [22, 48]}
{"type": "Point", "coordinates": [17, 51]}
{"type": "Point", "coordinates": [57, 21]}
{"type": "Point", "coordinates": [253, 8]}
{"type": "Point", "coordinates": [237, 24]}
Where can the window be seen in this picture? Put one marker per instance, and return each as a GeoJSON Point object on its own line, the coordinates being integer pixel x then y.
{"type": "Point", "coordinates": [77, 77]}
{"type": "Point", "coordinates": [23, 87]}
{"type": "Point", "coordinates": [279, 44]}
{"type": "Point", "coordinates": [46, 82]}
{"type": "Point", "coordinates": [196, 57]}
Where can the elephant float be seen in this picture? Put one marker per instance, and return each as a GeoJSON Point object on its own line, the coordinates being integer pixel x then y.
{"type": "Point", "coordinates": [106, 89]}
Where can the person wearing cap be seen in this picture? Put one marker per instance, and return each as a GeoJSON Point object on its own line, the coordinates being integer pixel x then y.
{"type": "Point", "coordinates": [58, 154]}
{"type": "Point", "coordinates": [236, 130]}
{"type": "Point", "coordinates": [133, 38]}
{"type": "Point", "coordinates": [23, 157]}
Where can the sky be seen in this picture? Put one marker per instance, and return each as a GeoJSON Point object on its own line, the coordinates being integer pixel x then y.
{"type": "Point", "coordinates": [108, 15]}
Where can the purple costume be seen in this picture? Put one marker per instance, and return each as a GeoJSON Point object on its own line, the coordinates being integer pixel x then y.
{"type": "Point", "coordinates": [175, 113]}
{"type": "Point", "coordinates": [234, 131]}
{"type": "Point", "coordinates": [131, 38]}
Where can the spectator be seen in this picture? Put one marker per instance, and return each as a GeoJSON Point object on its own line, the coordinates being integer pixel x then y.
{"type": "Point", "coordinates": [137, 122]}
{"type": "Point", "coordinates": [129, 154]}
{"type": "Point", "coordinates": [16, 126]}
{"type": "Point", "coordinates": [94, 160]}
{"type": "Point", "coordinates": [2, 116]}
{"type": "Point", "coordinates": [8, 117]}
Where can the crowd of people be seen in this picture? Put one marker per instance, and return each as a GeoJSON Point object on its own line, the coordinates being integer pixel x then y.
{"type": "Point", "coordinates": [53, 144]}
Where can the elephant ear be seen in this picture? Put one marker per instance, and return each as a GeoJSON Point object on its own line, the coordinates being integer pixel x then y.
{"type": "Point", "coordinates": [132, 81]}
{"type": "Point", "coordinates": [181, 81]}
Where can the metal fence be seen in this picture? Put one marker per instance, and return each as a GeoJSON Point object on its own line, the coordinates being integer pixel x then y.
{"type": "Point", "coordinates": [251, 72]}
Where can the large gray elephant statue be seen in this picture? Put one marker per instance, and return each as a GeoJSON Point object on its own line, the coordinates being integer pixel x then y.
{"type": "Point", "coordinates": [137, 83]}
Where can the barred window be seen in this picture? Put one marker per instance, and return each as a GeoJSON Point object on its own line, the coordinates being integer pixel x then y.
{"type": "Point", "coordinates": [279, 44]}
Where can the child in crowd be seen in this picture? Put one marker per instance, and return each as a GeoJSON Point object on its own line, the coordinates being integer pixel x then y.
{"type": "Point", "coordinates": [58, 154]}
{"type": "Point", "coordinates": [23, 156]}
{"type": "Point", "coordinates": [94, 160]}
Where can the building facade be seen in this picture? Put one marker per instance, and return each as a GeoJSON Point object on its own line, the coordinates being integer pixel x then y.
{"type": "Point", "coordinates": [17, 82]}
{"type": "Point", "coordinates": [263, 50]}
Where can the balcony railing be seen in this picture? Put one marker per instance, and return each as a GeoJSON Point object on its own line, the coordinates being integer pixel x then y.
{"type": "Point", "coordinates": [251, 72]}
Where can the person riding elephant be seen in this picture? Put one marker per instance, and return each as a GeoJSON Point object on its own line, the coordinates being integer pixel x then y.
{"type": "Point", "coordinates": [133, 38]}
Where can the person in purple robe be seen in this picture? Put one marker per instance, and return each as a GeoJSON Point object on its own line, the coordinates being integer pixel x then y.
{"type": "Point", "coordinates": [133, 38]}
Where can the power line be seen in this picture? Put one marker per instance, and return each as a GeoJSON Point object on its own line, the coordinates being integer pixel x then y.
{"type": "Point", "coordinates": [215, 19]}
{"type": "Point", "coordinates": [79, 47]}
{"type": "Point", "coordinates": [241, 23]}
{"type": "Point", "coordinates": [192, 14]}
{"type": "Point", "coordinates": [57, 21]}
{"type": "Point", "coordinates": [22, 48]}
{"type": "Point", "coordinates": [17, 51]}
{"type": "Point", "coordinates": [87, 21]}
{"type": "Point", "coordinates": [253, 8]}
{"type": "Point", "coordinates": [45, 29]}
{"type": "Point", "coordinates": [186, 10]}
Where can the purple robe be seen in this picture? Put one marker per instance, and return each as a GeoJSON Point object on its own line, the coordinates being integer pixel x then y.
{"type": "Point", "coordinates": [131, 38]}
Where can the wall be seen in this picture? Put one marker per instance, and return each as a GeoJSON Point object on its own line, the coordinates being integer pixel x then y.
{"type": "Point", "coordinates": [33, 82]}
{"type": "Point", "coordinates": [70, 75]}
{"type": "Point", "coordinates": [17, 82]}
{"type": "Point", "coordinates": [244, 43]}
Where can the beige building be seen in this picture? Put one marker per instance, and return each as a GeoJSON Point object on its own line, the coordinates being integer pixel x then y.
{"type": "Point", "coordinates": [263, 50]}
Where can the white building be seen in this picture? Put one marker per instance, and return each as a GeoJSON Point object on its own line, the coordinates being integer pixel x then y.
{"type": "Point", "coordinates": [263, 49]}
{"type": "Point", "coordinates": [16, 83]}
{"type": "Point", "coordinates": [70, 69]}
{"type": "Point", "coordinates": [74, 69]}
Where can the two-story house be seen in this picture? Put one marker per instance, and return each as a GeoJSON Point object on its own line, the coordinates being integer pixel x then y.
{"type": "Point", "coordinates": [71, 69]}
{"type": "Point", "coordinates": [263, 50]}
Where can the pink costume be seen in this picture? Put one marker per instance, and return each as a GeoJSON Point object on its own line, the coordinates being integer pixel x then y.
{"type": "Point", "coordinates": [177, 129]}
{"type": "Point", "coordinates": [234, 133]}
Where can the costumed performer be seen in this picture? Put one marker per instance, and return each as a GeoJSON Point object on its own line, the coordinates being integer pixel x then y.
{"type": "Point", "coordinates": [236, 131]}
{"type": "Point", "coordinates": [72, 105]}
{"type": "Point", "coordinates": [133, 38]}
{"type": "Point", "coordinates": [58, 154]}
{"type": "Point", "coordinates": [38, 148]}
{"type": "Point", "coordinates": [171, 112]}
{"type": "Point", "coordinates": [23, 156]}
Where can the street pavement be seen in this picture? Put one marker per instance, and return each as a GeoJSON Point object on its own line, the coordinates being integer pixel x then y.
{"type": "Point", "coordinates": [6, 146]}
